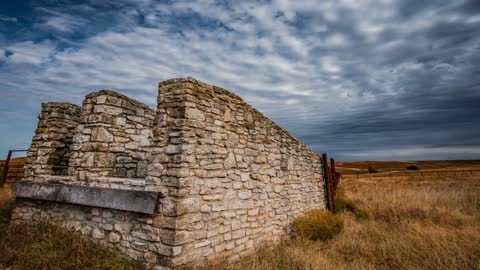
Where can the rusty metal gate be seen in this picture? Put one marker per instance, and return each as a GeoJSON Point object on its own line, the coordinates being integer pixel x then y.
{"type": "Point", "coordinates": [11, 170]}
{"type": "Point", "coordinates": [331, 179]}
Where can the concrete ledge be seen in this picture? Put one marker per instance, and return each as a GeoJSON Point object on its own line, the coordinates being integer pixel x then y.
{"type": "Point", "coordinates": [127, 200]}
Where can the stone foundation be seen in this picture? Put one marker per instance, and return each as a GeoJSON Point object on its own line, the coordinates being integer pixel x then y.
{"type": "Point", "coordinates": [228, 178]}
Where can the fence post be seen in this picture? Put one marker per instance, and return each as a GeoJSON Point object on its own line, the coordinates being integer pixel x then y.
{"type": "Point", "coordinates": [5, 168]}
{"type": "Point", "coordinates": [334, 176]}
{"type": "Point", "coordinates": [328, 184]}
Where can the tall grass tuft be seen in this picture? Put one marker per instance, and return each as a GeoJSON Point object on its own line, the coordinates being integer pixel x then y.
{"type": "Point", "coordinates": [317, 225]}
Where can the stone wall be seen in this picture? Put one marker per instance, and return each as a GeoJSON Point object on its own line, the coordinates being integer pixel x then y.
{"type": "Point", "coordinates": [49, 153]}
{"type": "Point", "coordinates": [241, 179]}
{"type": "Point", "coordinates": [228, 178]}
{"type": "Point", "coordinates": [113, 138]}
{"type": "Point", "coordinates": [110, 146]}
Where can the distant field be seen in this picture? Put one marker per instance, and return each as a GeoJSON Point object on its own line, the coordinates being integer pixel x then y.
{"type": "Point", "coordinates": [361, 167]}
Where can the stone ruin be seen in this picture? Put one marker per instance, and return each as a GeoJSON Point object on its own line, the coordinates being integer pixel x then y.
{"type": "Point", "coordinates": [205, 177]}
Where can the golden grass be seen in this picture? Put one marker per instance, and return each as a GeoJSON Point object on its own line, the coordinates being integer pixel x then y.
{"type": "Point", "coordinates": [409, 223]}
{"type": "Point", "coordinates": [361, 167]}
{"type": "Point", "coordinates": [6, 203]}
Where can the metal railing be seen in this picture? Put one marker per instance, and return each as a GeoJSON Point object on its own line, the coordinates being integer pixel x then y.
{"type": "Point", "coordinates": [16, 170]}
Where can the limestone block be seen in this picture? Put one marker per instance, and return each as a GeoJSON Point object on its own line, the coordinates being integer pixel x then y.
{"type": "Point", "coordinates": [173, 149]}
{"type": "Point", "coordinates": [121, 121]}
{"type": "Point", "coordinates": [205, 208]}
{"type": "Point", "coordinates": [123, 227]}
{"type": "Point", "coordinates": [104, 160]}
{"type": "Point", "coordinates": [229, 115]}
{"type": "Point", "coordinates": [290, 163]}
{"type": "Point", "coordinates": [235, 204]}
{"type": "Point", "coordinates": [216, 173]}
{"type": "Point", "coordinates": [146, 236]}
{"type": "Point", "coordinates": [87, 159]}
{"type": "Point", "coordinates": [97, 233]}
{"type": "Point", "coordinates": [100, 134]}
{"type": "Point", "coordinates": [169, 207]}
{"type": "Point", "coordinates": [182, 237]}
{"type": "Point", "coordinates": [132, 145]}
{"type": "Point", "coordinates": [216, 207]}
{"type": "Point", "coordinates": [106, 109]}
{"type": "Point", "coordinates": [203, 243]}
{"type": "Point", "coordinates": [244, 194]}
{"type": "Point", "coordinates": [142, 168]}
{"type": "Point", "coordinates": [201, 173]}
{"type": "Point", "coordinates": [114, 237]}
{"type": "Point", "coordinates": [178, 172]}
{"type": "Point", "coordinates": [155, 169]}
{"type": "Point", "coordinates": [230, 161]}
{"type": "Point", "coordinates": [144, 140]}
{"type": "Point", "coordinates": [187, 205]}
{"type": "Point", "coordinates": [238, 234]}
{"type": "Point", "coordinates": [79, 138]}
{"type": "Point", "coordinates": [194, 113]}
{"type": "Point", "coordinates": [261, 159]}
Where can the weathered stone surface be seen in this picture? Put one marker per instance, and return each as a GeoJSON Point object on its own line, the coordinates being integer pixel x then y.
{"type": "Point", "coordinates": [100, 134]}
{"type": "Point", "coordinates": [51, 146]}
{"type": "Point", "coordinates": [155, 169]}
{"type": "Point", "coordinates": [227, 177]}
{"type": "Point", "coordinates": [230, 161]}
{"type": "Point", "coordinates": [194, 113]}
{"type": "Point", "coordinates": [98, 234]}
{"type": "Point", "coordinates": [120, 136]}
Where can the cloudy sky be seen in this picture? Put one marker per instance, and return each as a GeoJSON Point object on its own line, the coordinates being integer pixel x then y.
{"type": "Point", "coordinates": [358, 79]}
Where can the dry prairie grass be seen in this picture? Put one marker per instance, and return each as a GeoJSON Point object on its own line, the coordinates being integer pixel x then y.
{"type": "Point", "coordinates": [6, 203]}
{"type": "Point", "coordinates": [411, 223]}
{"type": "Point", "coordinates": [361, 167]}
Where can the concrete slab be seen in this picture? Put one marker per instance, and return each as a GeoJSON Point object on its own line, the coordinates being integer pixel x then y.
{"type": "Point", "coordinates": [127, 200]}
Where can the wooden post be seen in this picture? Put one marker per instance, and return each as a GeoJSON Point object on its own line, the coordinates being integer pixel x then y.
{"type": "Point", "coordinates": [328, 184]}
{"type": "Point", "coordinates": [334, 176]}
{"type": "Point", "coordinates": [5, 168]}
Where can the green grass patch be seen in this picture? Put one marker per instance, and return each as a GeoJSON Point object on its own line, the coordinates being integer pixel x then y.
{"type": "Point", "coordinates": [343, 204]}
{"type": "Point", "coordinates": [318, 225]}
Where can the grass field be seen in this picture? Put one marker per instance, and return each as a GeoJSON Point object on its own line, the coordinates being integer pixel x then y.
{"type": "Point", "coordinates": [399, 167]}
{"type": "Point", "coordinates": [423, 219]}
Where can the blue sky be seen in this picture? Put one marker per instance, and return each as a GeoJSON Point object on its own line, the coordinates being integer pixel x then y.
{"type": "Point", "coordinates": [372, 79]}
